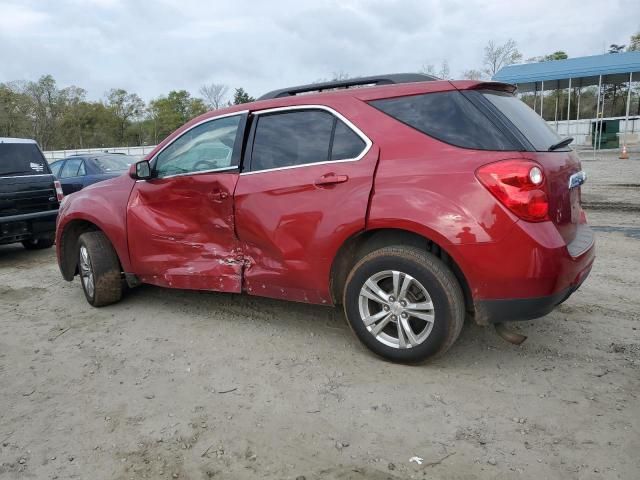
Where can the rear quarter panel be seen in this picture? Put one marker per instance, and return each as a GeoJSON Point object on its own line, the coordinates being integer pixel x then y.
{"type": "Point", "coordinates": [430, 188]}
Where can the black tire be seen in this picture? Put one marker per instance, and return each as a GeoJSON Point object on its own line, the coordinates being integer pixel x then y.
{"type": "Point", "coordinates": [441, 285]}
{"type": "Point", "coordinates": [38, 243]}
{"type": "Point", "coordinates": [105, 267]}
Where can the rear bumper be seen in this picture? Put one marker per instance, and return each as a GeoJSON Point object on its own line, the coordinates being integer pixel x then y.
{"type": "Point", "coordinates": [16, 228]}
{"type": "Point", "coordinates": [517, 309]}
{"type": "Point", "coordinates": [526, 274]}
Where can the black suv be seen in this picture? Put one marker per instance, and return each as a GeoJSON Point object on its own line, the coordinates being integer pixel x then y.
{"type": "Point", "coordinates": [29, 195]}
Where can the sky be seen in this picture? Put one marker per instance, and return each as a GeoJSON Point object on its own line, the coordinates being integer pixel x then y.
{"type": "Point", "coordinates": [152, 47]}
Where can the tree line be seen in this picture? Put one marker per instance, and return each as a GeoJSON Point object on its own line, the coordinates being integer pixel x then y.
{"type": "Point", "coordinates": [64, 118]}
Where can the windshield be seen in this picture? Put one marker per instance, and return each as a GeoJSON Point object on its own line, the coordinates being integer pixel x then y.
{"type": "Point", "coordinates": [22, 159]}
{"type": "Point", "coordinates": [113, 163]}
{"type": "Point", "coordinates": [534, 128]}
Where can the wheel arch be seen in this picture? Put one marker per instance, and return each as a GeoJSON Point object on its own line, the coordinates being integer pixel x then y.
{"type": "Point", "coordinates": [68, 239]}
{"type": "Point", "coordinates": [364, 242]}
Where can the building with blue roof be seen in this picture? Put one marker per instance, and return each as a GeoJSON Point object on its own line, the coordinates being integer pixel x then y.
{"type": "Point", "coordinates": [576, 73]}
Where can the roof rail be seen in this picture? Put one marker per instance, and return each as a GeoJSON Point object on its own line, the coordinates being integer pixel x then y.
{"type": "Point", "coordinates": [390, 79]}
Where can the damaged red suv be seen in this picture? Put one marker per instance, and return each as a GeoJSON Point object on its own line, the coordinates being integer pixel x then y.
{"type": "Point", "coordinates": [413, 203]}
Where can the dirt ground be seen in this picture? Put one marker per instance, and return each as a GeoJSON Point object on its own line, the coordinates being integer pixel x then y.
{"type": "Point", "coordinates": [176, 384]}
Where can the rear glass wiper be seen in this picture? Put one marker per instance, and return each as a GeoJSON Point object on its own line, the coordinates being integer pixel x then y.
{"type": "Point", "coordinates": [561, 144]}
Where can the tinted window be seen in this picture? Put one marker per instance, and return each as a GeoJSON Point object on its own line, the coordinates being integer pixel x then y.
{"type": "Point", "coordinates": [449, 117]}
{"type": "Point", "coordinates": [22, 159]}
{"type": "Point", "coordinates": [292, 138]}
{"type": "Point", "coordinates": [346, 143]}
{"type": "Point", "coordinates": [82, 171]}
{"type": "Point", "coordinates": [525, 119]}
{"type": "Point", "coordinates": [206, 147]}
{"type": "Point", "coordinates": [55, 167]}
{"type": "Point", "coordinates": [70, 168]}
{"type": "Point", "coordinates": [112, 163]}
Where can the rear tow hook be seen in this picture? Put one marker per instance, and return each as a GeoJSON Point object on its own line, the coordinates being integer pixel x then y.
{"type": "Point", "coordinates": [509, 335]}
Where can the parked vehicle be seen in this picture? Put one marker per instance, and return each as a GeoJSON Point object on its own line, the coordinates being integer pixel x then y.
{"type": "Point", "coordinates": [79, 171]}
{"type": "Point", "coordinates": [411, 203]}
{"type": "Point", "coordinates": [29, 195]}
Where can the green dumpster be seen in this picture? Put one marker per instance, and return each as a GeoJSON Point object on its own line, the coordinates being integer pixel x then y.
{"type": "Point", "coordinates": [610, 130]}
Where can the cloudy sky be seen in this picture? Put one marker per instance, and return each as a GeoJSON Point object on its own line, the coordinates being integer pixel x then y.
{"type": "Point", "coordinates": [151, 47]}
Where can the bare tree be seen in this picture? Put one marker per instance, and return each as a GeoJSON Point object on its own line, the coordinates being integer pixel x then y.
{"type": "Point", "coordinates": [214, 95]}
{"type": "Point", "coordinates": [472, 74]}
{"type": "Point", "coordinates": [498, 56]}
{"type": "Point", "coordinates": [428, 69]}
{"type": "Point", "coordinates": [444, 72]}
{"type": "Point", "coordinates": [340, 76]}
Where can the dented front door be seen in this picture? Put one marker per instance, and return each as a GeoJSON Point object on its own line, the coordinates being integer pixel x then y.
{"type": "Point", "coordinates": [181, 232]}
{"type": "Point", "coordinates": [181, 222]}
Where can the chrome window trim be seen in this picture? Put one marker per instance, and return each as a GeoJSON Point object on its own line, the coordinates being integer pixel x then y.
{"type": "Point", "coordinates": [199, 172]}
{"type": "Point", "coordinates": [206, 120]}
{"type": "Point", "coordinates": [346, 121]}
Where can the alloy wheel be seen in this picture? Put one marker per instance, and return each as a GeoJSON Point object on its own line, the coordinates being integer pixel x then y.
{"type": "Point", "coordinates": [86, 271]}
{"type": "Point", "coordinates": [396, 309]}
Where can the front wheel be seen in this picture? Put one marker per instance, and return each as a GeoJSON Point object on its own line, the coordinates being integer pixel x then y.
{"type": "Point", "coordinates": [99, 269]}
{"type": "Point", "coordinates": [404, 304]}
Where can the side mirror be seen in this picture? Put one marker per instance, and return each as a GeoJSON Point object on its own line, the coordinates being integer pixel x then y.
{"type": "Point", "coordinates": [140, 170]}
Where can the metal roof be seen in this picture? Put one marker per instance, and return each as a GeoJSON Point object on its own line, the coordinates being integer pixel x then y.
{"type": "Point", "coordinates": [583, 71]}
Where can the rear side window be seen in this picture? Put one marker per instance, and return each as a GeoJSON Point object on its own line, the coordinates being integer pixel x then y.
{"type": "Point", "coordinates": [56, 166]}
{"type": "Point", "coordinates": [292, 138]}
{"type": "Point", "coordinates": [449, 117]}
{"type": "Point", "coordinates": [22, 159]}
{"type": "Point", "coordinates": [113, 163]}
{"type": "Point", "coordinates": [302, 137]}
{"type": "Point", "coordinates": [524, 119]}
{"type": "Point", "coordinates": [71, 167]}
{"type": "Point", "coordinates": [346, 143]}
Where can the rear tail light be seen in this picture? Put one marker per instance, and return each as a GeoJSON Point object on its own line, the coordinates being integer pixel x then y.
{"type": "Point", "coordinates": [59, 193]}
{"type": "Point", "coordinates": [519, 185]}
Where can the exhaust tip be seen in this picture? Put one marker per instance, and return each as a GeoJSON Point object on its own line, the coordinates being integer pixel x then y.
{"type": "Point", "coordinates": [509, 335]}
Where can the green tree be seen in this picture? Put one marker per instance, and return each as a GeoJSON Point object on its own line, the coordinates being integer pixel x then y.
{"type": "Point", "coordinates": [74, 118]}
{"type": "Point", "coordinates": [615, 48]}
{"type": "Point", "coordinates": [14, 111]}
{"type": "Point", "coordinates": [168, 113]}
{"type": "Point", "coordinates": [240, 96]}
{"type": "Point", "coordinates": [559, 55]}
{"type": "Point", "coordinates": [125, 108]}
{"type": "Point", "coordinates": [47, 104]}
{"type": "Point", "coordinates": [634, 43]}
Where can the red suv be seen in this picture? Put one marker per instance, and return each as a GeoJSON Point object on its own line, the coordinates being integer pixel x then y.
{"type": "Point", "coordinates": [412, 203]}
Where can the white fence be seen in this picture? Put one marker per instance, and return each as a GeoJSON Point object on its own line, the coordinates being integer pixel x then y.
{"type": "Point", "coordinates": [580, 130]}
{"type": "Point", "coordinates": [53, 155]}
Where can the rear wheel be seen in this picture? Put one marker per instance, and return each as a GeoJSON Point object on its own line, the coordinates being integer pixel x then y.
{"type": "Point", "coordinates": [99, 268]}
{"type": "Point", "coordinates": [38, 243]}
{"type": "Point", "coordinates": [404, 304]}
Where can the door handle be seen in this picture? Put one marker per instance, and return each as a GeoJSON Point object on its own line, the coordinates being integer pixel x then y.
{"type": "Point", "coordinates": [330, 179]}
{"type": "Point", "coordinates": [218, 195]}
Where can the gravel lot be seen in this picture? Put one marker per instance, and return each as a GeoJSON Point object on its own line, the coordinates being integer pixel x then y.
{"type": "Point", "coordinates": [175, 384]}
